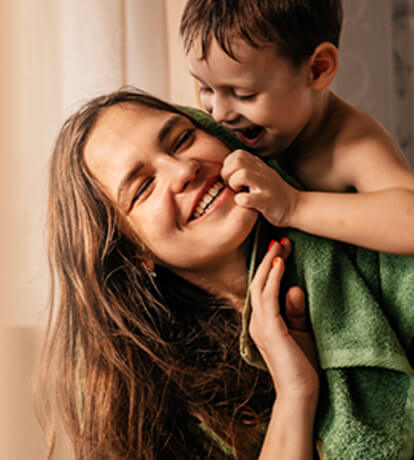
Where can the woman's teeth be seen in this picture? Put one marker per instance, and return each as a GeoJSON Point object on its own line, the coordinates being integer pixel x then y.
{"type": "Point", "coordinates": [207, 199]}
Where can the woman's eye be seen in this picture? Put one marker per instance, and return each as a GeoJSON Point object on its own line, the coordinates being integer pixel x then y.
{"type": "Point", "coordinates": [142, 188]}
{"type": "Point", "coordinates": [182, 139]}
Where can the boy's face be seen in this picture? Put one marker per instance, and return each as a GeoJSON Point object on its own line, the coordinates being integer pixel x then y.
{"type": "Point", "coordinates": [263, 98]}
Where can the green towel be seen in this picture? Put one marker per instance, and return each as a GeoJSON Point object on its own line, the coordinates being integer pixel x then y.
{"type": "Point", "coordinates": [361, 306]}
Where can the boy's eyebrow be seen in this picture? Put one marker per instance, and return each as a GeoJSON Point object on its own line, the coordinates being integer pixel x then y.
{"type": "Point", "coordinates": [199, 80]}
{"type": "Point", "coordinates": [130, 175]}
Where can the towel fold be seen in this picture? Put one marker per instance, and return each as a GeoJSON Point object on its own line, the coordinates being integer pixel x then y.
{"type": "Point", "coordinates": [361, 306]}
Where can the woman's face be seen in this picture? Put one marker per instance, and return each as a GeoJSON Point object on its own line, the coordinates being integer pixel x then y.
{"type": "Point", "coordinates": [164, 175]}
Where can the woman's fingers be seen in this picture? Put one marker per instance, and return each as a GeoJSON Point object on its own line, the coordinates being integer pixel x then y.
{"type": "Point", "coordinates": [272, 287]}
{"type": "Point", "coordinates": [296, 309]}
{"type": "Point", "coordinates": [276, 249]}
{"type": "Point", "coordinates": [289, 353]}
{"type": "Point", "coordinates": [286, 247]}
{"type": "Point", "coordinates": [262, 272]}
{"type": "Point", "coordinates": [296, 321]}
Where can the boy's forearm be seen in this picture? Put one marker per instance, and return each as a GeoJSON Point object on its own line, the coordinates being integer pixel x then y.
{"type": "Point", "coordinates": [290, 431]}
{"type": "Point", "coordinates": [383, 220]}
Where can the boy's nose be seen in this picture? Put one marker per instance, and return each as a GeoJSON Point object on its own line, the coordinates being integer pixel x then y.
{"type": "Point", "coordinates": [222, 111]}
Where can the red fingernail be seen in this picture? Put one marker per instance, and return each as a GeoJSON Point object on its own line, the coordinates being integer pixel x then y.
{"type": "Point", "coordinates": [271, 245]}
{"type": "Point", "coordinates": [283, 241]}
{"type": "Point", "coordinates": [276, 261]}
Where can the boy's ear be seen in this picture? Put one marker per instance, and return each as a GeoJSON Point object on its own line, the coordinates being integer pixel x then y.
{"type": "Point", "coordinates": [323, 65]}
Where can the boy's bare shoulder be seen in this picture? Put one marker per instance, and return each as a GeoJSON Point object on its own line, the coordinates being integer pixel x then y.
{"type": "Point", "coordinates": [364, 155]}
{"type": "Point", "coordinates": [352, 152]}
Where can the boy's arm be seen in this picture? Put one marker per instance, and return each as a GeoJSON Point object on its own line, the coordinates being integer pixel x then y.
{"type": "Point", "coordinates": [380, 216]}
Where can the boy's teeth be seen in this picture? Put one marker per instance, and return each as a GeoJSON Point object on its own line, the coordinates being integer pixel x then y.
{"type": "Point", "coordinates": [208, 198]}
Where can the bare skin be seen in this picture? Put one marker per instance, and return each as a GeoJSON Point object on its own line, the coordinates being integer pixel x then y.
{"type": "Point", "coordinates": [362, 186]}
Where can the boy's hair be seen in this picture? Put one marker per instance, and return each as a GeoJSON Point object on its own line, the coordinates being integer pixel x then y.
{"type": "Point", "coordinates": [293, 27]}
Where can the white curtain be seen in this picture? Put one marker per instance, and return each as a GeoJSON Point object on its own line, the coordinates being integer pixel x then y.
{"type": "Point", "coordinates": [105, 44]}
{"type": "Point", "coordinates": [377, 64]}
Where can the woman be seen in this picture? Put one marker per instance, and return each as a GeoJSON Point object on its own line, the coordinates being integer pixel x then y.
{"type": "Point", "coordinates": [150, 253]}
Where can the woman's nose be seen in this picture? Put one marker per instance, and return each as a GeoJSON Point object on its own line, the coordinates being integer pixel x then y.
{"type": "Point", "coordinates": [181, 172]}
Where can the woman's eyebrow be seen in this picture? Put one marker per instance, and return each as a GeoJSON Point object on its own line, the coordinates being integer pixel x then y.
{"type": "Point", "coordinates": [167, 127]}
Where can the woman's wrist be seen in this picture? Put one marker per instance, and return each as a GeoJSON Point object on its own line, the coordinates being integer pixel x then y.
{"type": "Point", "coordinates": [296, 419]}
{"type": "Point", "coordinates": [290, 431]}
{"type": "Point", "coordinates": [297, 407]}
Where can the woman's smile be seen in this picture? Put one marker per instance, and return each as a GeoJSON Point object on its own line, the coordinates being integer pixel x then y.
{"type": "Point", "coordinates": [207, 199]}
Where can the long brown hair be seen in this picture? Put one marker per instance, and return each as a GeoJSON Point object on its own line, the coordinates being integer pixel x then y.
{"type": "Point", "coordinates": [132, 364]}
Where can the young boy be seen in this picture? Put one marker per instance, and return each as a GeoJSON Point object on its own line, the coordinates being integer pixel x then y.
{"type": "Point", "coordinates": [264, 69]}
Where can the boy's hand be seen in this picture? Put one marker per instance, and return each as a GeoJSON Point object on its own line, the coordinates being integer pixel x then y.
{"type": "Point", "coordinates": [260, 187]}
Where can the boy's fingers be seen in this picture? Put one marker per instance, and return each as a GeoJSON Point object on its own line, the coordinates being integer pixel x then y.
{"type": "Point", "coordinates": [238, 180]}
{"type": "Point", "coordinates": [234, 161]}
{"type": "Point", "coordinates": [296, 313]}
{"type": "Point", "coordinates": [243, 199]}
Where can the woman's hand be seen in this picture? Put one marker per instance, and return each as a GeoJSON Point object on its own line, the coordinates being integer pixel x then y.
{"type": "Point", "coordinates": [287, 349]}
{"type": "Point", "coordinates": [291, 357]}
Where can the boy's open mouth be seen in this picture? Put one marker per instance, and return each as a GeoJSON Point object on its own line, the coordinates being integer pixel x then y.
{"type": "Point", "coordinates": [252, 135]}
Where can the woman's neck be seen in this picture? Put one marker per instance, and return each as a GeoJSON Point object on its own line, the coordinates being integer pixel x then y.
{"type": "Point", "coordinates": [227, 279]}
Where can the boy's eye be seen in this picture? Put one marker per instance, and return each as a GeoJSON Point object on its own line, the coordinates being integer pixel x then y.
{"type": "Point", "coordinates": [205, 90]}
{"type": "Point", "coordinates": [142, 188]}
{"type": "Point", "coordinates": [182, 139]}
{"type": "Point", "coordinates": [245, 97]}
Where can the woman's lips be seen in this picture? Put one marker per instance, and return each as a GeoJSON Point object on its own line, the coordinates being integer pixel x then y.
{"type": "Point", "coordinates": [202, 192]}
{"type": "Point", "coordinates": [221, 198]}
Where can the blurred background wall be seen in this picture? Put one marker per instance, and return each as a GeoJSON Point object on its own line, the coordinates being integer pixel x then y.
{"type": "Point", "coordinates": [55, 54]}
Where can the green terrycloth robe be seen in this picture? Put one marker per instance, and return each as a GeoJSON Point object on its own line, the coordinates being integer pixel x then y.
{"type": "Point", "coordinates": [361, 306]}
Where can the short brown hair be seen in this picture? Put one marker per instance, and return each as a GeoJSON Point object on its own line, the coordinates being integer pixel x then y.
{"type": "Point", "coordinates": [294, 27]}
